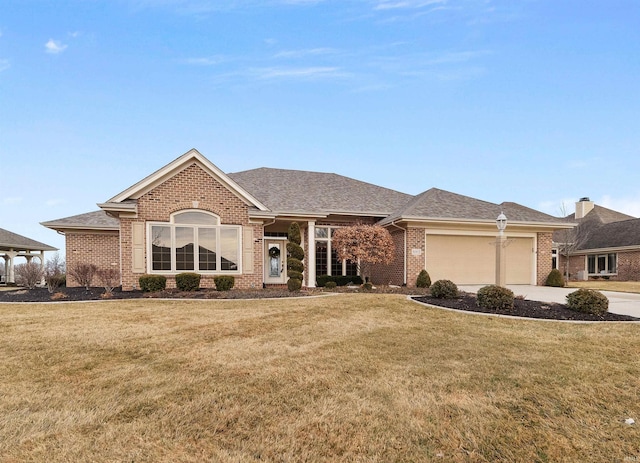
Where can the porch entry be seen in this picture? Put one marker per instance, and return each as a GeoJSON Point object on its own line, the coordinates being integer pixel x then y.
{"type": "Point", "coordinates": [275, 257]}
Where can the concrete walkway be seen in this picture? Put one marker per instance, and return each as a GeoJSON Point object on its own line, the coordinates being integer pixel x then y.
{"type": "Point", "coordinates": [620, 303]}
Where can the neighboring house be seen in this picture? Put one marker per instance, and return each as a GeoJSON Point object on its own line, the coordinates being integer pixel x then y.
{"type": "Point", "coordinates": [605, 243]}
{"type": "Point", "coordinates": [191, 216]}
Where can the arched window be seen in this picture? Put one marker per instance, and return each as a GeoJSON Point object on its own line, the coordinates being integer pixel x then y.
{"type": "Point", "coordinates": [194, 240]}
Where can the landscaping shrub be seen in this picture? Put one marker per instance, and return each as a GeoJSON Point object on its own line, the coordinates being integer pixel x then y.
{"type": "Point", "coordinates": [109, 278]}
{"type": "Point", "coordinates": [29, 274]}
{"type": "Point", "coordinates": [152, 283]}
{"type": "Point", "coordinates": [294, 284]}
{"type": "Point", "coordinates": [588, 301]}
{"type": "Point", "coordinates": [339, 280]}
{"type": "Point", "coordinates": [555, 279]}
{"type": "Point", "coordinates": [423, 280]}
{"type": "Point", "coordinates": [330, 285]}
{"type": "Point", "coordinates": [188, 281]}
{"type": "Point", "coordinates": [368, 286]}
{"type": "Point", "coordinates": [295, 254]}
{"type": "Point", "coordinates": [83, 273]}
{"type": "Point", "coordinates": [444, 289]}
{"type": "Point", "coordinates": [495, 297]}
{"type": "Point", "coordinates": [224, 282]}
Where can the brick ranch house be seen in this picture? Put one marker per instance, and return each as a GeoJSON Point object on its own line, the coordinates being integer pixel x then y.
{"type": "Point", "coordinates": [191, 216]}
{"type": "Point", "coordinates": [604, 244]}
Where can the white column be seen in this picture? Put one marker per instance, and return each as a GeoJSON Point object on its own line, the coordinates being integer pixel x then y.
{"type": "Point", "coordinates": [501, 260]}
{"type": "Point", "coordinates": [11, 276]}
{"type": "Point", "coordinates": [311, 254]}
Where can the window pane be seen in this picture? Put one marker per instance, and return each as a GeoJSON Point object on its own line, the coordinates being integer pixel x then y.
{"type": "Point", "coordinates": [591, 264]}
{"type": "Point", "coordinates": [602, 264]}
{"type": "Point", "coordinates": [195, 218]}
{"type": "Point", "coordinates": [322, 233]}
{"type": "Point", "coordinates": [321, 257]}
{"type": "Point", "coordinates": [160, 248]}
{"type": "Point", "coordinates": [611, 263]}
{"type": "Point", "coordinates": [207, 248]}
{"type": "Point", "coordinates": [336, 264]}
{"type": "Point", "coordinates": [229, 249]}
{"type": "Point", "coordinates": [184, 248]}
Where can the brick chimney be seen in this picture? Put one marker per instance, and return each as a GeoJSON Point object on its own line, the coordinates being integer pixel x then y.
{"type": "Point", "coordinates": [583, 207]}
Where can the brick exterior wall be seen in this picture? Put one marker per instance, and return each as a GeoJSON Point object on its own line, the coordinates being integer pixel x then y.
{"type": "Point", "coordinates": [415, 264]}
{"type": "Point", "coordinates": [628, 266]}
{"type": "Point", "coordinates": [99, 248]}
{"type": "Point", "coordinates": [543, 260]}
{"type": "Point", "coordinates": [192, 188]}
{"type": "Point", "coordinates": [393, 273]}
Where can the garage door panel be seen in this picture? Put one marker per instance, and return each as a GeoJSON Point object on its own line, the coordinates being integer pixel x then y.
{"type": "Point", "coordinates": [471, 259]}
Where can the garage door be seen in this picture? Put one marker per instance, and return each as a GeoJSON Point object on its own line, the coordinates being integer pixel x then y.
{"type": "Point", "coordinates": [471, 259]}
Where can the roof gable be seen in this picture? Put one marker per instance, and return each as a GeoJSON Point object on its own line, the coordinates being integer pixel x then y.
{"type": "Point", "coordinates": [189, 158]}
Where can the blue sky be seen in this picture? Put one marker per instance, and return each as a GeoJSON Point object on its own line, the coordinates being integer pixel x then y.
{"type": "Point", "coordinates": [536, 102]}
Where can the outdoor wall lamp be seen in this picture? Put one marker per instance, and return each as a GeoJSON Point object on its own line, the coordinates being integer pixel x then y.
{"type": "Point", "coordinates": [501, 222]}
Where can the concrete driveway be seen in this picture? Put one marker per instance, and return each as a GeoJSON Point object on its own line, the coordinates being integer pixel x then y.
{"type": "Point", "coordinates": [620, 303]}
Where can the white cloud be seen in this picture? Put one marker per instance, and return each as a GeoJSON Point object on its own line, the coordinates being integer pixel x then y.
{"type": "Point", "coordinates": [304, 52]}
{"type": "Point", "coordinates": [4, 64]}
{"type": "Point", "coordinates": [54, 202]}
{"type": "Point", "coordinates": [205, 61]}
{"type": "Point", "coordinates": [301, 73]}
{"type": "Point", "coordinates": [54, 47]}
{"type": "Point", "coordinates": [386, 5]}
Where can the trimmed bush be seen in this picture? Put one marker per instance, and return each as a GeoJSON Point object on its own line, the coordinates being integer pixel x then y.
{"type": "Point", "coordinates": [339, 280]}
{"type": "Point", "coordinates": [588, 301]}
{"type": "Point", "coordinates": [555, 279]}
{"type": "Point", "coordinates": [294, 284]}
{"type": "Point", "coordinates": [444, 289]}
{"type": "Point", "coordinates": [367, 286]}
{"type": "Point", "coordinates": [423, 280]}
{"type": "Point", "coordinates": [295, 255]}
{"type": "Point", "coordinates": [152, 283]}
{"type": "Point", "coordinates": [224, 282]}
{"type": "Point", "coordinates": [495, 297]}
{"type": "Point", "coordinates": [330, 285]}
{"type": "Point", "coordinates": [188, 281]}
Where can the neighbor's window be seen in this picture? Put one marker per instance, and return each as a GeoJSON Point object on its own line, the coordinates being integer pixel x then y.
{"type": "Point", "coordinates": [194, 241]}
{"type": "Point", "coordinates": [327, 262]}
{"type": "Point", "coordinates": [598, 264]}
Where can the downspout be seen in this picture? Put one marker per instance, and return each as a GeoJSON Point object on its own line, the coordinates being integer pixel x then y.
{"type": "Point", "coordinates": [404, 253]}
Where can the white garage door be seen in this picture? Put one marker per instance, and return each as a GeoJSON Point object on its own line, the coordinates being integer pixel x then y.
{"type": "Point", "coordinates": [471, 259]}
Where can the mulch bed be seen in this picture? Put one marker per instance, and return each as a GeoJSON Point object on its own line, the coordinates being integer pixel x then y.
{"type": "Point", "coordinates": [466, 301]}
{"type": "Point", "coordinates": [524, 308]}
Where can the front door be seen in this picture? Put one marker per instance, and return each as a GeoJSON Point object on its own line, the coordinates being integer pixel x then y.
{"type": "Point", "coordinates": [274, 266]}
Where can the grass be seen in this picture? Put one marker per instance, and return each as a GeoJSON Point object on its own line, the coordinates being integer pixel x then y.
{"type": "Point", "coordinates": [607, 285]}
{"type": "Point", "coordinates": [347, 378]}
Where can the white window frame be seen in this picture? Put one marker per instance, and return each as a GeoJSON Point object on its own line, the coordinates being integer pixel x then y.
{"type": "Point", "coordinates": [330, 250]}
{"type": "Point", "coordinates": [605, 272]}
{"type": "Point", "coordinates": [196, 267]}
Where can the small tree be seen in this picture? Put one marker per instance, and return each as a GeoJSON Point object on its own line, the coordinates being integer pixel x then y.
{"type": "Point", "coordinates": [364, 244]}
{"type": "Point", "coordinates": [570, 239]}
{"type": "Point", "coordinates": [83, 273]}
{"type": "Point", "coordinates": [109, 278]}
{"type": "Point", "coordinates": [29, 274]}
{"type": "Point", "coordinates": [295, 254]}
{"type": "Point", "coordinates": [54, 272]}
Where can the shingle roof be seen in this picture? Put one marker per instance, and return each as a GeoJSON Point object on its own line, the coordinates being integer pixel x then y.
{"type": "Point", "coordinates": [316, 192]}
{"type": "Point", "coordinates": [440, 204]}
{"type": "Point", "coordinates": [614, 234]}
{"type": "Point", "coordinates": [91, 220]}
{"type": "Point", "coordinates": [10, 240]}
{"type": "Point", "coordinates": [591, 225]}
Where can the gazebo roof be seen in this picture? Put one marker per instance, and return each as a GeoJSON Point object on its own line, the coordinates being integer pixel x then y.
{"type": "Point", "coordinates": [13, 241]}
